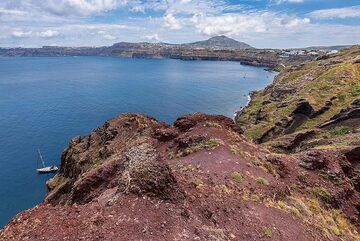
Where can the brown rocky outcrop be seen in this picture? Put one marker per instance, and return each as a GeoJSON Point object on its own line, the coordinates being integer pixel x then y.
{"type": "Point", "coordinates": [346, 115]}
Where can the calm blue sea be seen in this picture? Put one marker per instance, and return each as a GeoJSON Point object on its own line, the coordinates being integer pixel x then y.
{"type": "Point", "coordinates": [46, 101]}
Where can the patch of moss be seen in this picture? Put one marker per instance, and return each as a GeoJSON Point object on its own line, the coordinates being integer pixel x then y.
{"type": "Point", "coordinates": [237, 177]}
{"type": "Point", "coordinates": [261, 180]}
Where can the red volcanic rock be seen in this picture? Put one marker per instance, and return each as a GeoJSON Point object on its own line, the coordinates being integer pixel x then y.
{"type": "Point", "coordinates": [186, 122]}
{"type": "Point", "coordinates": [136, 178]}
{"type": "Point", "coordinates": [165, 134]}
{"type": "Point", "coordinates": [320, 159]}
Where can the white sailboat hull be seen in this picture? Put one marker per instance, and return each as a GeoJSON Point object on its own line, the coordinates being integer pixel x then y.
{"type": "Point", "coordinates": [47, 169]}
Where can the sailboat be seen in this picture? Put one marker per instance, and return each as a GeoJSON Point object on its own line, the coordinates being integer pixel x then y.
{"type": "Point", "coordinates": [45, 169]}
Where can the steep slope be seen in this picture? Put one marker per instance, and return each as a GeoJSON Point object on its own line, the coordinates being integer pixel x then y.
{"type": "Point", "coordinates": [222, 42]}
{"type": "Point", "coordinates": [136, 178]}
{"type": "Point", "coordinates": [312, 105]}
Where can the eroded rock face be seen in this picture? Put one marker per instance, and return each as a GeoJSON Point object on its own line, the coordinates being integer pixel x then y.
{"type": "Point", "coordinates": [320, 159]}
{"type": "Point", "coordinates": [319, 96]}
{"type": "Point", "coordinates": [136, 178]}
{"type": "Point", "coordinates": [145, 174]}
{"type": "Point", "coordinates": [350, 113]}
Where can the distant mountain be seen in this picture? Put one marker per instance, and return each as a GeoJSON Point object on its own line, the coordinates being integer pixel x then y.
{"type": "Point", "coordinates": [222, 42]}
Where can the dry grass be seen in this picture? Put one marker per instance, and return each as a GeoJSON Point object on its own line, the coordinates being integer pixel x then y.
{"type": "Point", "coordinates": [331, 222]}
{"type": "Point", "coordinates": [207, 144]}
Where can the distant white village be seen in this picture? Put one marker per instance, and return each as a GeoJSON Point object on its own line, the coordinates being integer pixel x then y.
{"type": "Point", "coordinates": [286, 53]}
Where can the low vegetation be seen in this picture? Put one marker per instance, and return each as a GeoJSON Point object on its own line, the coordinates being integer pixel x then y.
{"type": "Point", "coordinates": [207, 144]}
{"type": "Point", "coordinates": [261, 180]}
{"type": "Point", "coordinates": [237, 177]}
{"type": "Point", "coordinates": [322, 193]}
{"type": "Point", "coordinates": [268, 232]}
{"type": "Point", "coordinates": [198, 183]}
{"type": "Point", "coordinates": [339, 131]}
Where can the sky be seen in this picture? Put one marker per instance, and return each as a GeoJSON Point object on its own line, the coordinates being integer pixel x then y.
{"type": "Point", "coordinates": [260, 23]}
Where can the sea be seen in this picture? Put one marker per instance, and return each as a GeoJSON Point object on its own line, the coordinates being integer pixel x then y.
{"type": "Point", "coordinates": [45, 101]}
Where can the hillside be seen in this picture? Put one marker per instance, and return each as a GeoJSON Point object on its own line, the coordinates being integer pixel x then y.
{"type": "Point", "coordinates": [222, 42]}
{"type": "Point", "coordinates": [312, 105]}
{"type": "Point", "coordinates": [136, 178]}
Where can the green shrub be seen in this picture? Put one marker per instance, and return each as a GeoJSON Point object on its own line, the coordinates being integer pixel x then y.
{"type": "Point", "coordinates": [355, 90]}
{"type": "Point", "coordinates": [341, 97]}
{"type": "Point", "coordinates": [237, 177]}
{"type": "Point", "coordinates": [261, 180]}
{"type": "Point", "coordinates": [340, 131]}
{"type": "Point", "coordinates": [322, 193]}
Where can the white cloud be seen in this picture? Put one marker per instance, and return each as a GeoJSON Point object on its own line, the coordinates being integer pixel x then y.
{"type": "Point", "coordinates": [153, 38]}
{"type": "Point", "coordinates": [171, 22]}
{"type": "Point", "coordinates": [109, 37]}
{"type": "Point", "coordinates": [79, 8]}
{"type": "Point", "coordinates": [4, 11]}
{"type": "Point", "coordinates": [48, 34]}
{"type": "Point", "coordinates": [82, 7]}
{"type": "Point", "coordinates": [71, 23]}
{"type": "Point", "coordinates": [28, 34]}
{"type": "Point", "coordinates": [235, 24]}
{"type": "Point", "coordinates": [331, 13]}
{"type": "Point", "coordinates": [21, 34]}
{"type": "Point", "coordinates": [294, 22]}
{"type": "Point", "coordinates": [287, 1]}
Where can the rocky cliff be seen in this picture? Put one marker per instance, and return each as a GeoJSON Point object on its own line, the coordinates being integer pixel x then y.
{"type": "Point", "coordinates": [216, 48]}
{"type": "Point", "coordinates": [313, 105]}
{"type": "Point", "coordinates": [136, 178]}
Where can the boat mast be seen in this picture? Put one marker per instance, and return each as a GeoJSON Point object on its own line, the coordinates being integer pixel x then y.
{"type": "Point", "coordinates": [41, 158]}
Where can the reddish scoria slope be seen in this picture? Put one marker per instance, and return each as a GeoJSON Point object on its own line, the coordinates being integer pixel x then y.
{"type": "Point", "coordinates": [136, 178]}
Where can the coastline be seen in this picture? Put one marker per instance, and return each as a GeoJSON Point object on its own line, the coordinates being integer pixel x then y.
{"type": "Point", "coordinates": [238, 113]}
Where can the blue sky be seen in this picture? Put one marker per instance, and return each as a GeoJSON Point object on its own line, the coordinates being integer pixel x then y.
{"type": "Point", "coordinates": [261, 23]}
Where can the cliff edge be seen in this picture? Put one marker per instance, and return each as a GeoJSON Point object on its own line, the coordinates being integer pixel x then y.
{"type": "Point", "coordinates": [136, 178]}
